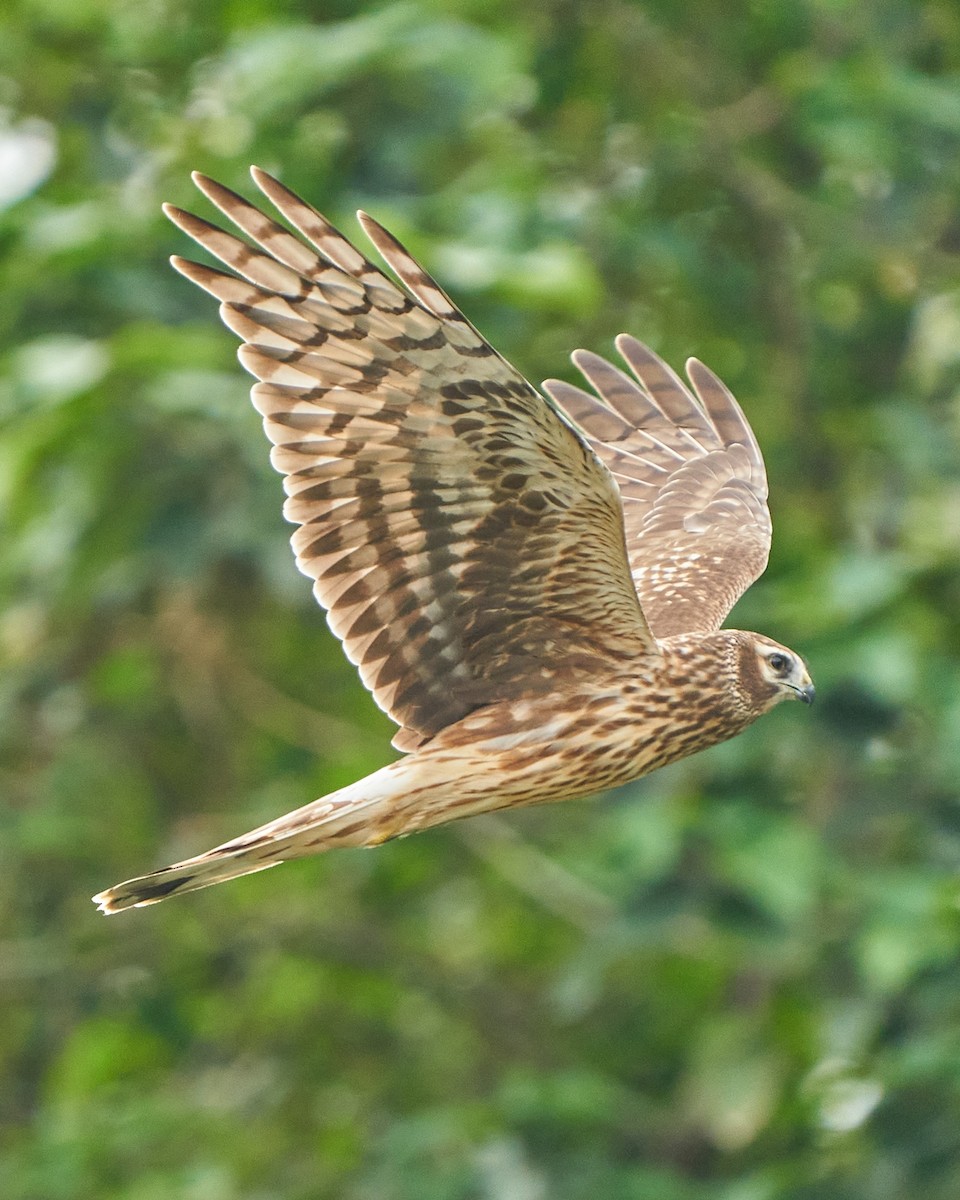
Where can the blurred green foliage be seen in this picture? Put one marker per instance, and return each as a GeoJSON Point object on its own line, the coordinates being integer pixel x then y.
{"type": "Point", "coordinates": [736, 980]}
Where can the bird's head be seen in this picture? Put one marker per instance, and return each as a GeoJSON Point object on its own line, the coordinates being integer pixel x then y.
{"type": "Point", "coordinates": [771, 673]}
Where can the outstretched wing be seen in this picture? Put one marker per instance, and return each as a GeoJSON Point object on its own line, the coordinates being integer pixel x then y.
{"type": "Point", "coordinates": [692, 480]}
{"type": "Point", "coordinates": [466, 542]}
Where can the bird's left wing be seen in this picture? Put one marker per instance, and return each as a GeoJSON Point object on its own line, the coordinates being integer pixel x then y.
{"type": "Point", "coordinates": [466, 542]}
{"type": "Point", "coordinates": [692, 479]}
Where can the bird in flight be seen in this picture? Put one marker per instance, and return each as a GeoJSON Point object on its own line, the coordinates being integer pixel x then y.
{"type": "Point", "coordinates": [531, 585]}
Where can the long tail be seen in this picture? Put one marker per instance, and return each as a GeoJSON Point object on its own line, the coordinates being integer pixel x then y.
{"type": "Point", "coordinates": [362, 814]}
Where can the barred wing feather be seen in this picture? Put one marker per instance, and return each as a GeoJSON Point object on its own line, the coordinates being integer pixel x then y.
{"type": "Point", "coordinates": [691, 477]}
{"type": "Point", "coordinates": [465, 540]}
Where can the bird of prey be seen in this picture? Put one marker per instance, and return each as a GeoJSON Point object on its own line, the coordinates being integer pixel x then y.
{"type": "Point", "coordinates": [531, 585]}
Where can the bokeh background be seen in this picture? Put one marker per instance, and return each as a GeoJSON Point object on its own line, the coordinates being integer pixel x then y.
{"type": "Point", "coordinates": [736, 980]}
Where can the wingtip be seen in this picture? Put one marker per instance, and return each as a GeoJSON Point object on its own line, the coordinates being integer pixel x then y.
{"type": "Point", "coordinates": [695, 366]}
{"type": "Point", "coordinates": [184, 220]}
{"type": "Point", "coordinates": [263, 179]}
{"type": "Point", "coordinates": [587, 360]}
{"type": "Point", "coordinates": [381, 237]}
{"type": "Point", "coordinates": [214, 191]}
{"type": "Point", "coordinates": [625, 342]}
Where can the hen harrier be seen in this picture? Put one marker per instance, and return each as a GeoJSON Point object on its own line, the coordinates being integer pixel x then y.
{"type": "Point", "coordinates": [531, 588]}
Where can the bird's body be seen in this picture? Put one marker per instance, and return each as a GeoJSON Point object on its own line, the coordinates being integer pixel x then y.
{"type": "Point", "coordinates": [538, 609]}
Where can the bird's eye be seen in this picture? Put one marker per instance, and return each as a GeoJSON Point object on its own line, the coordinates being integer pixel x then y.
{"type": "Point", "coordinates": [779, 662]}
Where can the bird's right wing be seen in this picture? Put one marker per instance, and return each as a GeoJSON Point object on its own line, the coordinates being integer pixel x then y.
{"type": "Point", "coordinates": [692, 480]}
{"type": "Point", "coordinates": [465, 540]}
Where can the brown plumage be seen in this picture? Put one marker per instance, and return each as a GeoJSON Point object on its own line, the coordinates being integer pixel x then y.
{"type": "Point", "coordinates": [532, 590]}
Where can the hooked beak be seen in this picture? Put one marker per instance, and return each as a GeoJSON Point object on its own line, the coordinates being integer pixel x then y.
{"type": "Point", "coordinates": [804, 688]}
